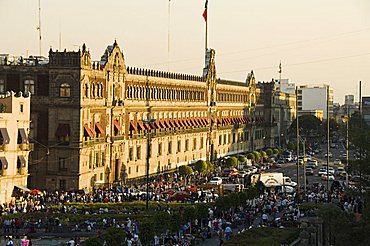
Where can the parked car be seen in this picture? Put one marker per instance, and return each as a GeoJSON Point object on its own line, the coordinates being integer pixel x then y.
{"type": "Point", "coordinates": [309, 171]}
{"type": "Point", "coordinates": [337, 162]}
{"type": "Point", "coordinates": [216, 181]}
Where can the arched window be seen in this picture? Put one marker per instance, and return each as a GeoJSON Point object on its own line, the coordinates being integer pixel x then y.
{"type": "Point", "coordinates": [86, 90]}
{"type": "Point", "coordinates": [65, 90]}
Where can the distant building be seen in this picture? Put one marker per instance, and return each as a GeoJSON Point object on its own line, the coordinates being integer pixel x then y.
{"type": "Point", "coordinates": [285, 86]}
{"type": "Point", "coordinates": [14, 145]}
{"type": "Point", "coordinates": [280, 110]}
{"type": "Point", "coordinates": [366, 109]}
{"type": "Point", "coordinates": [314, 97]}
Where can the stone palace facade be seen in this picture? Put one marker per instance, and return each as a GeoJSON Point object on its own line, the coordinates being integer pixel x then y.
{"type": "Point", "coordinates": [93, 123]}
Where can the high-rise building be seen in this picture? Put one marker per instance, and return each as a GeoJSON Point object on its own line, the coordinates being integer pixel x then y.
{"type": "Point", "coordinates": [312, 98]}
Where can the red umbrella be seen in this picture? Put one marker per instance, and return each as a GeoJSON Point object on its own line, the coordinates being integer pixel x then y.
{"type": "Point", "coordinates": [35, 192]}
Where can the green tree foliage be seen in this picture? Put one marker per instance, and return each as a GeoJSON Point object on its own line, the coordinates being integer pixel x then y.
{"type": "Point", "coordinates": [269, 152]}
{"type": "Point", "coordinates": [114, 236]}
{"type": "Point", "coordinates": [210, 167]}
{"type": "Point", "coordinates": [251, 156]}
{"type": "Point", "coordinates": [309, 124]}
{"type": "Point", "coordinates": [276, 151]}
{"type": "Point", "coordinates": [200, 166]}
{"type": "Point", "coordinates": [231, 162]}
{"type": "Point", "coordinates": [263, 154]}
{"type": "Point", "coordinates": [242, 158]}
{"type": "Point", "coordinates": [185, 170]}
{"type": "Point", "coordinates": [257, 156]}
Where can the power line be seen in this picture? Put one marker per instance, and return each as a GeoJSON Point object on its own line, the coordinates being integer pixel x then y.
{"type": "Point", "coordinates": [327, 38]}
{"type": "Point", "coordinates": [302, 63]}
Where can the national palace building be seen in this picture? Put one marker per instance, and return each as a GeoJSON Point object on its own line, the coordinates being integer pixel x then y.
{"type": "Point", "coordinates": [97, 123]}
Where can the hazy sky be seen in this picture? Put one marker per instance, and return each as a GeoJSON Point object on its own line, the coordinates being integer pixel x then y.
{"type": "Point", "coordinates": [318, 41]}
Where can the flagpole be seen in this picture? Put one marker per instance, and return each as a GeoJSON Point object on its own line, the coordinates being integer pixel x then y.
{"type": "Point", "coordinates": [206, 26]}
{"type": "Point", "coordinates": [168, 37]}
{"type": "Point", "coordinates": [280, 72]}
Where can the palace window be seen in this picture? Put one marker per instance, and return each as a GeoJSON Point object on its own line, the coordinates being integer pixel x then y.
{"type": "Point", "coordinates": [29, 86]}
{"type": "Point", "coordinates": [2, 86]}
{"type": "Point", "coordinates": [65, 90]}
{"type": "Point", "coordinates": [169, 147]}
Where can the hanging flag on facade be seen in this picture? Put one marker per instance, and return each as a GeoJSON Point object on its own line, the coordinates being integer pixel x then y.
{"type": "Point", "coordinates": [205, 11]}
{"type": "Point", "coordinates": [280, 68]}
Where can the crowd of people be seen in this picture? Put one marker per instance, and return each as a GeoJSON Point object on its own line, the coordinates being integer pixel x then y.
{"type": "Point", "coordinates": [270, 209]}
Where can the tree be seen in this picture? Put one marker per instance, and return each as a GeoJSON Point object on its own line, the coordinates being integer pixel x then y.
{"type": "Point", "coordinates": [269, 152]}
{"type": "Point", "coordinates": [200, 166]}
{"type": "Point", "coordinates": [210, 167]}
{"type": "Point", "coordinates": [241, 158]}
{"type": "Point", "coordinates": [257, 156]}
{"type": "Point", "coordinates": [231, 162]}
{"type": "Point", "coordinates": [251, 156]}
{"type": "Point", "coordinates": [308, 124]}
{"type": "Point", "coordinates": [185, 170]}
{"type": "Point", "coordinates": [263, 154]}
{"type": "Point", "coordinates": [276, 151]}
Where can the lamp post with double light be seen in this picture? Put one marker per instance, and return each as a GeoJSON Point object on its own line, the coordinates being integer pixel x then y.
{"type": "Point", "coordinates": [148, 147]}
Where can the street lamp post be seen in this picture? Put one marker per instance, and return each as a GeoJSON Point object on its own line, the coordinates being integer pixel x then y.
{"type": "Point", "coordinates": [148, 147]}
{"type": "Point", "coordinates": [345, 120]}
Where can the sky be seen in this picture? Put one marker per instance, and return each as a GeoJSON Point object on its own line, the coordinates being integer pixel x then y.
{"type": "Point", "coordinates": [317, 41]}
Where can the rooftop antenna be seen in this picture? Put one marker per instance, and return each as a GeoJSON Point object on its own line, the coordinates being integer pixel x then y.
{"type": "Point", "coordinates": [39, 27]}
{"type": "Point", "coordinates": [168, 36]}
{"type": "Point", "coordinates": [60, 40]}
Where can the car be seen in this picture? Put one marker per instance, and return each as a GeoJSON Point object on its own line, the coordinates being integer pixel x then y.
{"type": "Point", "coordinates": [253, 169]}
{"type": "Point", "coordinates": [337, 162]}
{"type": "Point", "coordinates": [341, 172]}
{"type": "Point", "coordinates": [309, 171]}
{"type": "Point", "coordinates": [287, 189]}
{"type": "Point", "coordinates": [333, 145]}
{"type": "Point", "coordinates": [216, 181]}
{"type": "Point", "coordinates": [310, 165]}
{"type": "Point", "coordinates": [344, 155]}
{"type": "Point", "coordinates": [325, 177]}
{"type": "Point", "coordinates": [244, 173]}
{"type": "Point", "coordinates": [330, 155]}
{"type": "Point", "coordinates": [312, 161]}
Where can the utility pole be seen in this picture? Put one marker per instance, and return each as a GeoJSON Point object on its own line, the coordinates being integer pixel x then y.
{"type": "Point", "coordinates": [39, 28]}
{"type": "Point", "coordinates": [328, 140]}
{"type": "Point", "coordinates": [297, 126]}
{"type": "Point", "coordinates": [304, 164]}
